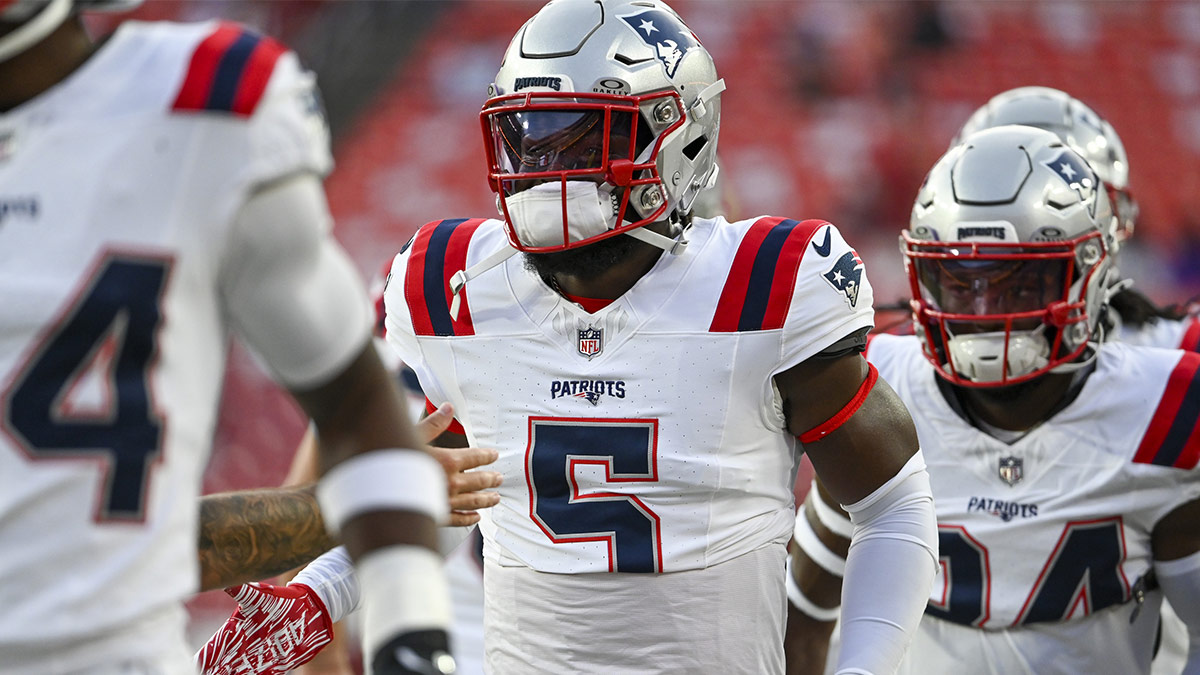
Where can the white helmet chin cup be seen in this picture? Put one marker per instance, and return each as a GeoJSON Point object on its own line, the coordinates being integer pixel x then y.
{"type": "Point", "coordinates": [979, 357]}
{"type": "Point", "coordinates": [536, 213]}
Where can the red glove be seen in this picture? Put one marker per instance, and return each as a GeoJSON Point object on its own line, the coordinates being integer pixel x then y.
{"type": "Point", "coordinates": [275, 629]}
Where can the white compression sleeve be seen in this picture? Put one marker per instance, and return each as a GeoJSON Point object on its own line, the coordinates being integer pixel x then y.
{"type": "Point", "coordinates": [290, 289]}
{"type": "Point", "coordinates": [889, 571]}
{"type": "Point", "coordinates": [332, 577]}
{"type": "Point", "coordinates": [1180, 581]}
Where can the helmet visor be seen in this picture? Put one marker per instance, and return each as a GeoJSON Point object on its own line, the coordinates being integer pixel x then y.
{"type": "Point", "coordinates": [582, 142]}
{"type": "Point", "coordinates": [1003, 285]}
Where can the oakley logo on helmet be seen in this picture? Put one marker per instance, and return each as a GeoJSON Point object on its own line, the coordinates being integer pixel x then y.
{"type": "Point", "coordinates": [846, 276]}
{"type": "Point", "coordinates": [666, 34]}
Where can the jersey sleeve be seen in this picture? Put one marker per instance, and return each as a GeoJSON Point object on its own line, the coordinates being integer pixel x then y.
{"type": "Point", "coordinates": [288, 133]}
{"type": "Point", "coordinates": [830, 296]}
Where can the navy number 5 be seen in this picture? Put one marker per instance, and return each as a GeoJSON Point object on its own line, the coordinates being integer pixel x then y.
{"type": "Point", "coordinates": [111, 328]}
{"type": "Point", "coordinates": [626, 449]}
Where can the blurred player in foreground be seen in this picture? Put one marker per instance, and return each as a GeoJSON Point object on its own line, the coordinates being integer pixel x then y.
{"type": "Point", "coordinates": [1063, 467]}
{"type": "Point", "coordinates": [160, 190]}
{"type": "Point", "coordinates": [645, 373]}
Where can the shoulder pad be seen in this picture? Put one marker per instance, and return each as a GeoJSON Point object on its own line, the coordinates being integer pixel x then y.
{"type": "Point", "coordinates": [438, 251]}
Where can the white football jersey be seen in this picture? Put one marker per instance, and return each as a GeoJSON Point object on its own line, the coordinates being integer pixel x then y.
{"type": "Point", "coordinates": [647, 437]}
{"type": "Point", "coordinates": [1165, 333]}
{"type": "Point", "coordinates": [1044, 540]}
{"type": "Point", "coordinates": [118, 190]}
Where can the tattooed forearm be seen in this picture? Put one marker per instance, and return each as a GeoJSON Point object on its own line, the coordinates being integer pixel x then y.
{"type": "Point", "coordinates": [257, 534]}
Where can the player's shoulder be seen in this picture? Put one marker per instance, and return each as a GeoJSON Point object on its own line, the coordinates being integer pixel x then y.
{"type": "Point", "coordinates": [418, 287]}
{"type": "Point", "coordinates": [168, 67]}
{"type": "Point", "coordinates": [768, 262]}
{"type": "Point", "coordinates": [1156, 392]}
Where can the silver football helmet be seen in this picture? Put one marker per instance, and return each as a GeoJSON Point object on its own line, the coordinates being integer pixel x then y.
{"type": "Point", "coordinates": [1078, 126]}
{"type": "Point", "coordinates": [603, 118]}
{"type": "Point", "coordinates": [1008, 256]}
{"type": "Point", "coordinates": [39, 18]}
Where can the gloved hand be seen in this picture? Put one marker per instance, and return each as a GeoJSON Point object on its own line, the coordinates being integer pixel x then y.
{"type": "Point", "coordinates": [275, 629]}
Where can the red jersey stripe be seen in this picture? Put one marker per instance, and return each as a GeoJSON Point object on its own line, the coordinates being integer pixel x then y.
{"type": "Point", "coordinates": [1168, 407]}
{"type": "Point", "coordinates": [733, 295]}
{"type": "Point", "coordinates": [456, 259]}
{"type": "Point", "coordinates": [784, 282]}
{"type": "Point", "coordinates": [414, 282]}
{"type": "Point", "coordinates": [1191, 336]}
{"type": "Point", "coordinates": [454, 428]}
{"type": "Point", "coordinates": [255, 75]}
{"type": "Point", "coordinates": [203, 67]}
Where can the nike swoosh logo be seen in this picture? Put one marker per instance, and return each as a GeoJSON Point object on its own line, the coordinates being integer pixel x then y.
{"type": "Point", "coordinates": [823, 249]}
{"type": "Point", "coordinates": [440, 664]}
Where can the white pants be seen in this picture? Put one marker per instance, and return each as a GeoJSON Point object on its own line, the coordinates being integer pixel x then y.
{"type": "Point", "coordinates": [728, 618]}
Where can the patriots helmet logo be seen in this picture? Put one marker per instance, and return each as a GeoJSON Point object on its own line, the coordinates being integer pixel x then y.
{"type": "Point", "coordinates": [846, 276]}
{"type": "Point", "coordinates": [666, 34]}
{"type": "Point", "coordinates": [1077, 175]}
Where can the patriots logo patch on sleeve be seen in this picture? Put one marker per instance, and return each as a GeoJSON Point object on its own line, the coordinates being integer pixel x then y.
{"type": "Point", "coordinates": [846, 276]}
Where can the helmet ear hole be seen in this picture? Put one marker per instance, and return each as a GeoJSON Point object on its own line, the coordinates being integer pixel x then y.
{"type": "Point", "coordinates": [691, 150]}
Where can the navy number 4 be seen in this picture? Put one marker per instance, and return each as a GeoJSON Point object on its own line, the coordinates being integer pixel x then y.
{"type": "Point", "coordinates": [113, 323]}
{"type": "Point", "coordinates": [1083, 570]}
{"type": "Point", "coordinates": [626, 450]}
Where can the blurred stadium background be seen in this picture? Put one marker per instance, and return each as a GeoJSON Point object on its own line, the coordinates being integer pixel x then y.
{"type": "Point", "coordinates": [834, 110]}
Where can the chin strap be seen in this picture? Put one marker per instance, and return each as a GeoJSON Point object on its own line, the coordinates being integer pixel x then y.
{"type": "Point", "coordinates": [459, 281]}
{"type": "Point", "coordinates": [673, 246]}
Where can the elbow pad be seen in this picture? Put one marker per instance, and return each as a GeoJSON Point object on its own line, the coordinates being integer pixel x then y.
{"type": "Point", "coordinates": [889, 571]}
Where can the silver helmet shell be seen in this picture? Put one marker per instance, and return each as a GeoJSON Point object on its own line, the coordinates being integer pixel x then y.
{"type": "Point", "coordinates": [1008, 254]}
{"type": "Point", "coordinates": [633, 57]}
{"type": "Point", "coordinates": [1078, 126]}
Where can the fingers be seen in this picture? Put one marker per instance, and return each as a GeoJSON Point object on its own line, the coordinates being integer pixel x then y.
{"type": "Point", "coordinates": [473, 481]}
{"type": "Point", "coordinates": [463, 518]}
{"type": "Point", "coordinates": [472, 501]}
{"type": "Point", "coordinates": [432, 425]}
{"type": "Point", "coordinates": [461, 459]}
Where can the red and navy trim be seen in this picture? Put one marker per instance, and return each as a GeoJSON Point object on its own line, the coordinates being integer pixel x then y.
{"type": "Point", "coordinates": [1191, 336]}
{"type": "Point", "coordinates": [455, 427]}
{"type": "Point", "coordinates": [438, 251]}
{"type": "Point", "coordinates": [1173, 437]}
{"type": "Point", "coordinates": [758, 290]}
{"type": "Point", "coordinates": [229, 71]}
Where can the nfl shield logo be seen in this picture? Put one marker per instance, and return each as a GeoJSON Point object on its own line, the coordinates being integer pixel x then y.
{"type": "Point", "coordinates": [1010, 470]}
{"type": "Point", "coordinates": [591, 341]}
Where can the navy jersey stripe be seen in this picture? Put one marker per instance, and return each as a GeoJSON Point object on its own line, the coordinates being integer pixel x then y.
{"type": "Point", "coordinates": [435, 277]}
{"type": "Point", "coordinates": [229, 72]}
{"type": "Point", "coordinates": [1181, 427]}
{"type": "Point", "coordinates": [762, 274]}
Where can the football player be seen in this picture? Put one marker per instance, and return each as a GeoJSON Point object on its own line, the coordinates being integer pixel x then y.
{"type": "Point", "coordinates": [1063, 467]}
{"type": "Point", "coordinates": [651, 377]}
{"type": "Point", "coordinates": [160, 191]}
{"type": "Point", "coordinates": [1131, 317]}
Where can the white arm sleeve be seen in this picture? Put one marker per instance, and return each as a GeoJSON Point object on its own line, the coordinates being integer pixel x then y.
{"type": "Point", "coordinates": [290, 289]}
{"type": "Point", "coordinates": [889, 571]}
{"type": "Point", "coordinates": [1180, 581]}
{"type": "Point", "coordinates": [334, 580]}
